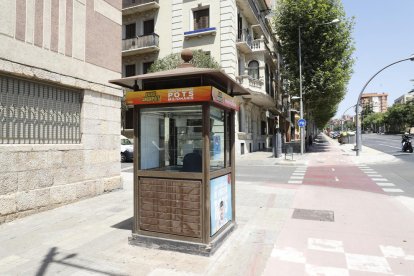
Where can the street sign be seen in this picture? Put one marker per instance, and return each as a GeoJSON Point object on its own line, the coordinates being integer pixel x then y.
{"type": "Point", "coordinates": [301, 122]}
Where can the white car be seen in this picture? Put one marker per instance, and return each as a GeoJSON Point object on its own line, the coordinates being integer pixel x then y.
{"type": "Point", "coordinates": [127, 149]}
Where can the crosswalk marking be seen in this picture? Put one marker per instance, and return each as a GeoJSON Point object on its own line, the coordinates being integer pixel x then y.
{"type": "Point", "coordinates": [380, 179]}
{"type": "Point", "coordinates": [392, 190]}
{"type": "Point", "coordinates": [385, 184]}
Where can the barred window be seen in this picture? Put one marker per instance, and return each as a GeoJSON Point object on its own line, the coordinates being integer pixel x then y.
{"type": "Point", "coordinates": [37, 113]}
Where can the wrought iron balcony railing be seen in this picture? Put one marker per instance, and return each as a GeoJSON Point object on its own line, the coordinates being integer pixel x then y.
{"type": "Point", "coordinates": [144, 41]}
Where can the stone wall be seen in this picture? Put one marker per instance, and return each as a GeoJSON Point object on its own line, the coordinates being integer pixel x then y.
{"type": "Point", "coordinates": [38, 43]}
{"type": "Point", "coordinates": [34, 178]}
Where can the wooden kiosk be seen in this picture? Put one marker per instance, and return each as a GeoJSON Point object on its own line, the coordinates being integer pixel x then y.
{"type": "Point", "coordinates": [184, 171]}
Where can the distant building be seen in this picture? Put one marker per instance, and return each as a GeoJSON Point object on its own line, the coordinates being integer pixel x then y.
{"type": "Point", "coordinates": [405, 98]}
{"type": "Point", "coordinates": [378, 101]}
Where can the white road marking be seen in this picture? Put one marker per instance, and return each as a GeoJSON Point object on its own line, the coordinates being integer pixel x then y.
{"type": "Point", "coordinates": [296, 177]}
{"type": "Point", "coordinates": [296, 173]}
{"type": "Point", "coordinates": [392, 190]}
{"type": "Point", "coordinates": [380, 179]}
{"type": "Point", "coordinates": [390, 146]}
{"type": "Point", "coordinates": [289, 254]}
{"type": "Point", "coordinates": [374, 175]}
{"type": "Point", "coordinates": [336, 179]}
{"type": "Point", "coordinates": [325, 270]}
{"type": "Point", "coordinates": [294, 182]}
{"type": "Point", "coordinates": [385, 184]}
{"type": "Point", "coordinates": [367, 263]}
{"type": "Point", "coordinates": [326, 245]}
{"type": "Point", "coordinates": [392, 251]}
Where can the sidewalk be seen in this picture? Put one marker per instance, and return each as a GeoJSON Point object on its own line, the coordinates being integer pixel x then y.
{"type": "Point", "coordinates": [277, 234]}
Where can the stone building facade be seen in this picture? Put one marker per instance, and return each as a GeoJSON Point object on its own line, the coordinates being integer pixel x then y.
{"type": "Point", "coordinates": [59, 117]}
{"type": "Point", "coordinates": [377, 101]}
{"type": "Point", "coordinates": [236, 33]}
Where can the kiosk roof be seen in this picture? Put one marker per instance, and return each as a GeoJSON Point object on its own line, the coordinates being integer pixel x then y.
{"type": "Point", "coordinates": [234, 88]}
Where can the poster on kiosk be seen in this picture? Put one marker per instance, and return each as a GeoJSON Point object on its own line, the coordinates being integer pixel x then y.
{"type": "Point", "coordinates": [220, 202]}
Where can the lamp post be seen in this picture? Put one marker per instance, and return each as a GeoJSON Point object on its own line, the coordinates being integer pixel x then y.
{"type": "Point", "coordinates": [342, 120]}
{"type": "Point", "coordinates": [302, 131]}
{"type": "Point", "coordinates": [358, 107]}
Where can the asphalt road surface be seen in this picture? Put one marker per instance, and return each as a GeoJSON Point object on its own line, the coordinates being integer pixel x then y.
{"type": "Point", "coordinates": [390, 144]}
{"type": "Point", "coordinates": [401, 173]}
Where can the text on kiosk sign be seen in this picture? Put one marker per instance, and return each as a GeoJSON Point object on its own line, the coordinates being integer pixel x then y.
{"type": "Point", "coordinates": [181, 95]}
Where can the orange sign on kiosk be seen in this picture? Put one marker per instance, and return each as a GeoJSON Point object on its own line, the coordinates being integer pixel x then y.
{"type": "Point", "coordinates": [181, 95]}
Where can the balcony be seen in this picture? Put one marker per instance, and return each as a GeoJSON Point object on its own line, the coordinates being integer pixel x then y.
{"type": "Point", "coordinates": [257, 90]}
{"type": "Point", "coordinates": [259, 45]}
{"type": "Point", "coordinates": [140, 45]}
{"type": "Point", "coordinates": [250, 83]}
{"type": "Point", "coordinates": [137, 6]}
{"type": "Point", "coordinates": [244, 42]}
{"type": "Point", "coordinates": [250, 10]}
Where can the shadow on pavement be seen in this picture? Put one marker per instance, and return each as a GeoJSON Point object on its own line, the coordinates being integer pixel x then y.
{"type": "Point", "coordinates": [51, 257]}
{"type": "Point", "coordinates": [319, 145]}
{"type": "Point", "coordinates": [125, 224]}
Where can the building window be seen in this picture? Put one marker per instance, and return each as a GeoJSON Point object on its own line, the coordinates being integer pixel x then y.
{"type": "Point", "coordinates": [130, 31]}
{"type": "Point", "coordinates": [272, 86]}
{"type": "Point", "coordinates": [201, 19]}
{"type": "Point", "coordinates": [37, 113]}
{"type": "Point", "coordinates": [130, 70]}
{"type": "Point", "coordinates": [267, 81]}
{"type": "Point", "coordinates": [242, 148]}
{"type": "Point", "coordinates": [149, 27]}
{"type": "Point", "coordinates": [240, 117]}
{"type": "Point", "coordinates": [253, 69]}
{"type": "Point", "coordinates": [146, 66]}
{"type": "Point", "coordinates": [264, 128]}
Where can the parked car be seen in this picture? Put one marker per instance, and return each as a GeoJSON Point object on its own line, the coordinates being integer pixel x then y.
{"type": "Point", "coordinates": [127, 149]}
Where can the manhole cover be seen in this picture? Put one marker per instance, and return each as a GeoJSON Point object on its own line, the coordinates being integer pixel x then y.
{"type": "Point", "coordinates": [319, 215]}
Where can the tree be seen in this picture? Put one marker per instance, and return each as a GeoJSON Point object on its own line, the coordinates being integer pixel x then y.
{"type": "Point", "coordinates": [399, 117]}
{"type": "Point", "coordinates": [200, 59]}
{"type": "Point", "coordinates": [374, 120]}
{"type": "Point", "coordinates": [326, 52]}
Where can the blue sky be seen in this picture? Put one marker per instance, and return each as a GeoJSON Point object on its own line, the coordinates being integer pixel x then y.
{"type": "Point", "coordinates": [383, 33]}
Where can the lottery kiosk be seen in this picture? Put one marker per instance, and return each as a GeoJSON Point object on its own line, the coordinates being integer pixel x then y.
{"type": "Point", "coordinates": [184, 167]}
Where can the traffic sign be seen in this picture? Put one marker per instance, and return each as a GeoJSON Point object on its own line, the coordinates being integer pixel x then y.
{"type": "Point", "coordinates": [301, 122]}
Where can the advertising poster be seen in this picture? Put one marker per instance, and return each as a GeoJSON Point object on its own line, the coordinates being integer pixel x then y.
{"type": "Point", "coordinates": [220, 202]}
{"type": "Point", "coordinates": [216, 147]}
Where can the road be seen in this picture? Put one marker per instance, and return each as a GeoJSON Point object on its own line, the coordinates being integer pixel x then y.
{"type": "Point", "coordinates": [401, 173]}
{"type": "Point", "coordinates": [390, 144]}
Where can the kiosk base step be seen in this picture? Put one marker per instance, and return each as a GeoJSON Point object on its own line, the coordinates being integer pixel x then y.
{"type": "Point", "coordinates": [182, 246]}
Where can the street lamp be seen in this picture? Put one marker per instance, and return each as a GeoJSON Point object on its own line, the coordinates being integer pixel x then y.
{"type": "Point", "coordinates": [302, 134]}
{"type": "Point", "coordinates": [342, 120]}
{"type": "Point", "coordinates": [358, 125]}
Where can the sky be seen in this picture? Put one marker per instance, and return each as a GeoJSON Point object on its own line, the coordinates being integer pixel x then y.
{"type": "Point", "coordinates": [383, 33]}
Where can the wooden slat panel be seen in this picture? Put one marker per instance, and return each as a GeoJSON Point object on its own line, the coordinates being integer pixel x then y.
{"type": "Point", "coordinates": [170, 206]}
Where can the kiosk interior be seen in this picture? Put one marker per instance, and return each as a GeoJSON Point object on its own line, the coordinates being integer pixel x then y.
{"type": "Point", "coordinates": [184, 173]}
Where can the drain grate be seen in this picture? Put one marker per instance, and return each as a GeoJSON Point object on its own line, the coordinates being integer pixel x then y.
{"type": "Point", "coordinates": [319, 215]}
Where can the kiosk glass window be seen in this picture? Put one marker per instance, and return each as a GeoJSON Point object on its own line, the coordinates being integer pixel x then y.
{"type": "Point", "coordinates": [171, 138]}
{"type": "Point", "coordinates": [218, 138]}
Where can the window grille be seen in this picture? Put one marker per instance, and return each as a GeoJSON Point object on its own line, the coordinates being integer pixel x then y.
{"type": "Point", "coordinates": [36, 113]}
{"type": "Point", "coordinates": [201, 19]}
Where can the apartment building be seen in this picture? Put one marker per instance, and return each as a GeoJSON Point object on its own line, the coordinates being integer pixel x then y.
{"type": "Point", "coordinates": [409, 97]}
{"type": "Point", "coordinates": [59, 117]}
{"type": "Point", "coordinates": [378, 101]}
{"type": "Point", "coordinates": [236, 33]}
